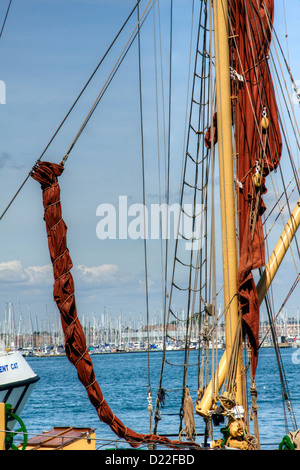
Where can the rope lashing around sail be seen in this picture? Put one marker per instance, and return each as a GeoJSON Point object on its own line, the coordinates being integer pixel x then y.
{"type": "Point", "coordinates": [63, 291]}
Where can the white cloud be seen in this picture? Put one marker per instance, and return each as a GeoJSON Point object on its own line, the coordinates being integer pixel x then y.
{"type": "Point", "coordinates": [100, 274]}
{"type": "Point", "coordinates": [15, 272]}
{"type": "Point", "coordinates": [96, 286]}
{"type": "Point", "coordinates": [12, 271]}
{"type": "Point", "coordinates": [40, 274]}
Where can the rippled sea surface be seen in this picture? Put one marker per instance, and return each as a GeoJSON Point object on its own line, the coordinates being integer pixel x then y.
{"type": "Point", "coordinates": [59, 399]}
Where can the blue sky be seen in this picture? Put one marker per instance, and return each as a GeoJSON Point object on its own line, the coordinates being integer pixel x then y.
{"type": "Point", "coordinates": [47, 52]}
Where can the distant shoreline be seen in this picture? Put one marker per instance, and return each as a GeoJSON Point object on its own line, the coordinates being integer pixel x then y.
{"type": "Point", "coordinates": [283, 346]}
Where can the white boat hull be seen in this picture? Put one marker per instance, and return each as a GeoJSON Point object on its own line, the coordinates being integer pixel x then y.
{"type": "Point", "coordinates": [17, 381]}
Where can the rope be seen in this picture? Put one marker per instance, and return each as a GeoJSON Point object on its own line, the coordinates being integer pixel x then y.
{"type": "Point", "coordinates": [188, 415]}
{"type": "Point", "coordinates": [288, 70]}
{"type": "Point", "coordinates": [294, 285]}
{"type": "Point", "coordinates": [69, 112]}
{"type": "Point", "coordinates": [167, 182]}
{"type": "Point", "coordinates": [257, 125]}
{"type": "Point", "coordinates": [109, 79]}
{"type": "Point", "coordinates": [286, 30]}
{"type": "Point", "coordinates": [168, 166]}
{"type": "Point", "coordinates": [282, 208]}
{"type": "Point", "coordinates": [158, 137]}
{"type": "Point", "coordinates": [195, 266]}
{"type": "Point", "coordinates": [254, 406]}
{"type": "Point", "coordinates": [284, 385]}
{"type": "Point", "coordinates": [292, 163]}
{"type": "Point", "coordinates": [5, 18]}
{"type": "Point", "coordinates": [144, 208]}
{"type": "Point", "coordinates": [213, 227]}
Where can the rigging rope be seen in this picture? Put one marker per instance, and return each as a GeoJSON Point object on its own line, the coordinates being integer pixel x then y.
{"type": "Point", "coordinates": [294, 121]}
{"type": "Point", "coordinates": [158, 402]}
{"type": "Point", "coordinates": [168, 164]}
{"type": "Point", "coordinates": [73, 106]}
{"type": "Point", "coordinates": [5, 18]}
{"type": "Point", "coordinates": [144, 215]}
{"type": "Point", "coordinates": [198, 105]}
{"type": "Point", "coordinates": [289, 153]}
{"type": "Point", "coordinates": [158, 137]}
{"type": "Point", "coordinates": [286, 30]}
{"type": "Point", "coordinates": [284, 385]}
{"type": "Point", "coordinates": [123, 54]}
{"type": "Point", "coordinates": [196, 188]}
{"type": "Point", "coordinates": [252, 35]}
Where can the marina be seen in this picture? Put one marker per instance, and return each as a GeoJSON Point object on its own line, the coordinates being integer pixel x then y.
{"type": "Point", "coordinates": [110, 335]}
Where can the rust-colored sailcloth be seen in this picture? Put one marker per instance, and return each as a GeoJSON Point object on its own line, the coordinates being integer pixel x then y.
{"type": "Point", "coordinates": [75, 344]}
{"type": "Point", "coordinates": [258, 141]}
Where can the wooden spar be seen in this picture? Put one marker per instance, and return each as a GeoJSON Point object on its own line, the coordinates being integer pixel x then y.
{"type": "Point", "coordinates": [262, 287]}
{"type": "Point", "coordinates": [226, 171]}
{"type": "Point", "coordinates": [278, 253]}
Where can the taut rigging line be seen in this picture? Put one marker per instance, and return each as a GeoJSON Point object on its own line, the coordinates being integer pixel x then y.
{"type": "Point", "coordinates": [104, 88]}
{"type": "Point", "coordinates": [5, 18]}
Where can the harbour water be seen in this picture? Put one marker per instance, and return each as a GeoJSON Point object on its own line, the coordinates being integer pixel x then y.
{"type": "Point", "coordinates": [59, 399]}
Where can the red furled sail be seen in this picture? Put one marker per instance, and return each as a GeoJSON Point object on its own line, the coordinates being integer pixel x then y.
{"type": "Point", "coordinates": [75, 344]}
{"type": "Point", "coordinates": [258, 142]}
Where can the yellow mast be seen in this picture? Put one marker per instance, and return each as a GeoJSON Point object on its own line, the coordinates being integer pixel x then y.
{"type": "Point", "coordinates": [226, 171]}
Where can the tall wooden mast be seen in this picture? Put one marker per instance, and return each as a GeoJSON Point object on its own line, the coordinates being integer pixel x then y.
{"type": "Point", "coordinates": [226, 171]}
{"type": "Point", "coordinates": [227, 198]}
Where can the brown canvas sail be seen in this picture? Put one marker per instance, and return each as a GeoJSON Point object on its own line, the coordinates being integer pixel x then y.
{"type": "Point", "coordinates": [75, 344]}
{"type": "Point", "coordinates": [258, 142]}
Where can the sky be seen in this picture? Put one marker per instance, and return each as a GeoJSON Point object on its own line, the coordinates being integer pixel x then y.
{"type": "Point", "coordinates": [48, 50]}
